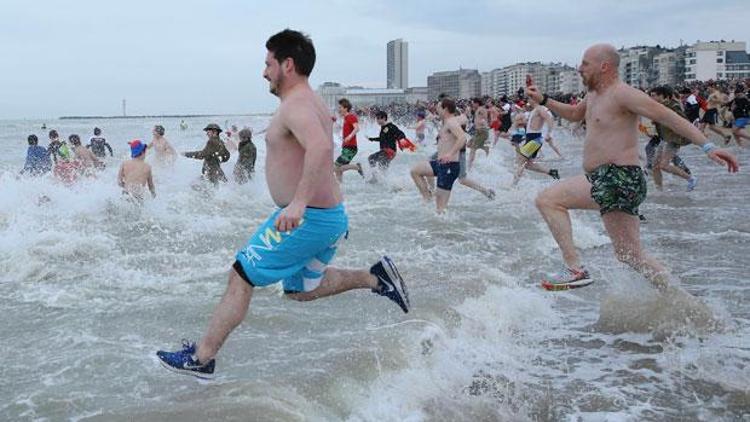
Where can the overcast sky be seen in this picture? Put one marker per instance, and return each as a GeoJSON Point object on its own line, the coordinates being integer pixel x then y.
{"type": "Point", "coordinates": [169, 57]}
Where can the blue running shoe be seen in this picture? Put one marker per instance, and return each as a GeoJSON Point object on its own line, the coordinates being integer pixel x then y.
{"type": "Point", "coordinates": [185, 362]}
{"type": "Point", "coordinates": [390, 283]}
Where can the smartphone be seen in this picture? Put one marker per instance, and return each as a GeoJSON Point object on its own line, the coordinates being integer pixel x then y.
{"type": "Point", "coordinates": [529, 81]}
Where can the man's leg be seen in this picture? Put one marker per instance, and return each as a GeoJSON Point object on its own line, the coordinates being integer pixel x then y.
{"type": "Point", "coordinates": [419, 172]}
{"type": "Point", "coordinates": [554, 202]}
{"type": "Point", "coordinates": [624, 231]}
{"type": "Point", "coordinates": [472, 156]}
{"type": "Point", "coordinates": [471, 184]}
{"type": "Point", "coordinates": [665, 163]}
{"type": "Point", "coordinates": [228, 314]}
{"type": "Point", "coordinates": [521, 163]}
{"type": "Point", "coordinates": [739, 135]}
{"type": "Point", "coordinates": [337, 281]}
{"type": "Point", "coordinates": [441, 199]}
{"type": "Point", "coordinates": [533, 166]}
{"type": "Point", "coordinates": [346, 167]}
{"type": "Point", "coordinates": [552, 145]}
{"type": "Point", "coordinates": [713, 128]}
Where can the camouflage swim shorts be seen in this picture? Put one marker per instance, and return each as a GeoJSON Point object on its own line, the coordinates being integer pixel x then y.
{"type": "Point", "coordinates": [617, 188]}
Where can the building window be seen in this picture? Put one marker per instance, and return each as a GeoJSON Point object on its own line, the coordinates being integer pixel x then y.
{"type": "Point", "coordinates": [720, 75]}
{"type": "Point", "coordinates": [692, 61]}
{"type": "Point", "coordinates": [719, 53]}
{"type": "Point", "coordinates": [719, 60]}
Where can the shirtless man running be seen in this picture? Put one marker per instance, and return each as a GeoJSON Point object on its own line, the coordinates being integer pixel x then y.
{"type": "Point", "coordinates": [135, 174]}
{"type": "Point", "coordinates": [482, 130]}
{"type": "Point", "coordinates": [299, 239]}
{"type": "Point", "coordinates": [446, 167]}
{"type": "Point", "coordinates": [165, 153]}
{"type": "Point", "coordinates": [711, 117]}
{"type": "Point", "coordinates": [614, 182]}
{"type": "Point", "coordinates": [538, 131]}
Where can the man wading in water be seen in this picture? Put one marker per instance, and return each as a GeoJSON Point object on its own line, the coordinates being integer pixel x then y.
{"type": "Point", "coordinates": [296, 243]}
{"type": "Point", "coordinates": [614, 182]}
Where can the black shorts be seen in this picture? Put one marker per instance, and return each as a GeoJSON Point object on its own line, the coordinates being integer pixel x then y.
{"type": "Point", "coordinates": [379, 159]}
{"type": "Point", "coordinates": [241, 272]}
{"type": "Point", "coordinates": [711, 116]}
{"type": "Point", "coordinates": [446, 173]}
{"type": "Point", "coordinates": [505, 126]}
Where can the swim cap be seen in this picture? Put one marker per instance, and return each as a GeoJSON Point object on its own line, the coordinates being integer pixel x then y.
{"type": "Point", "coordinates": [136, 148]}
{"type": "Point", "coordinates": [97, 131]}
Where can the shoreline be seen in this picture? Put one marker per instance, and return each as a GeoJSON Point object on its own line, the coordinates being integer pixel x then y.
{"type": "Point", "coordinates": [158, 116]}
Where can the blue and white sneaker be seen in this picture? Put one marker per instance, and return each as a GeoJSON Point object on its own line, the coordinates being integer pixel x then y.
{"type": "Point", "coordinates": [390, 283]}
{"type": "Point", "coordinates": [185, 362]}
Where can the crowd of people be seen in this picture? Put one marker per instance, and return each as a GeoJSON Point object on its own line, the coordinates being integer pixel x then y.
{"type": "Point", "coordinates": [297, 242]}
{"type": "Point", "coordinates": [70, 161]}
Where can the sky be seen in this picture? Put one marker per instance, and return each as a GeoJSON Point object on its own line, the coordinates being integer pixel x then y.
{"type": "Point", "coordinates": [206, 57]}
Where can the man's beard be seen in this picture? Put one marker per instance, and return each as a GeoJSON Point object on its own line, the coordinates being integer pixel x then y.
{"type": "Point", "coordinates": [274, 87]}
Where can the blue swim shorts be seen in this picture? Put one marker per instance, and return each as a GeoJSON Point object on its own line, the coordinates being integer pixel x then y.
{"type": "Point", "coordinates": [297, 258]}
{"type": "Point", "coordinates": [741, 122]}
{"type": "Point", "coordinates": [446, 173]}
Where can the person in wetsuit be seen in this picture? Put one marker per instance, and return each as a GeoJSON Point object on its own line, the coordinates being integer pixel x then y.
{"type": "Point", "coordinates": [245, 166]}
{"type": "Point", "coordinates": [37, 158]}
{"type": "Point", "coordinates": [98, 143]}
{"type": "Point", "coordinates": [213, 154]}
{"type": "Point", "coordinates": [388, 138]}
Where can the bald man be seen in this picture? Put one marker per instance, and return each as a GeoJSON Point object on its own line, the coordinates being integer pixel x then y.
{"type": "Point", "coordinates": [613, 182]}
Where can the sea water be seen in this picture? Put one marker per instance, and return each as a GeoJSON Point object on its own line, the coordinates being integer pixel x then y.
{"type": "Point", "coordinates": [91, 285]}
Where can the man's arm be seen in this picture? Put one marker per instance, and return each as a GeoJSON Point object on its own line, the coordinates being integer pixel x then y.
{"type": "Point", "coordinates": [151, 186]}
{"type": "Point", "coordinates": [311, 135]}
{"type": "Point", "coordinates": [574, 113]}
{"type": "Point", "coordinates": [641, 104]}
{"type": "Point", "coordinates": [121, 176]}
{"type": "Point", "coordinates": [111, 154]}
{"type": "Point", "coordinates": [549, 122]}
{"type": "Point", "coordinates": [202, 154]}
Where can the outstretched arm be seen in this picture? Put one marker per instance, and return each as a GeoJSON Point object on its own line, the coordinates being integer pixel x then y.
{"type": "Point", "coordinates": [641, 104]}
{"type": "Point", "coordinates": [574, 113]}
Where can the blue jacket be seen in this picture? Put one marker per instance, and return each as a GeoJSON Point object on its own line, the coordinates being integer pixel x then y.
{"type": "Point", "coordinates": [37, 161]}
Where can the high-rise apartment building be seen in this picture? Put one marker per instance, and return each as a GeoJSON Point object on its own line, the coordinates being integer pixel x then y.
{"type": "Point", "coordinates": [397, 67]}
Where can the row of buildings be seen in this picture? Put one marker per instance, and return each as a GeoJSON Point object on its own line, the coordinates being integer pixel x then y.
{"type": "Point", "coordinates": [467, 83]}
{"type": "Point", "coordinates": [640, 66]}
{"type": "Point", "coordinates": [647, 66]}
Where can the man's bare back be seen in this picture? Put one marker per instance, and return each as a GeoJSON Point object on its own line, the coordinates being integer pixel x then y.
{"type": "Point", "coordinates": [84, 156]}
{"type": "Point", "coordinates": [304, 110]}
{"type": "Point", "coordinates": [134, 176]}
